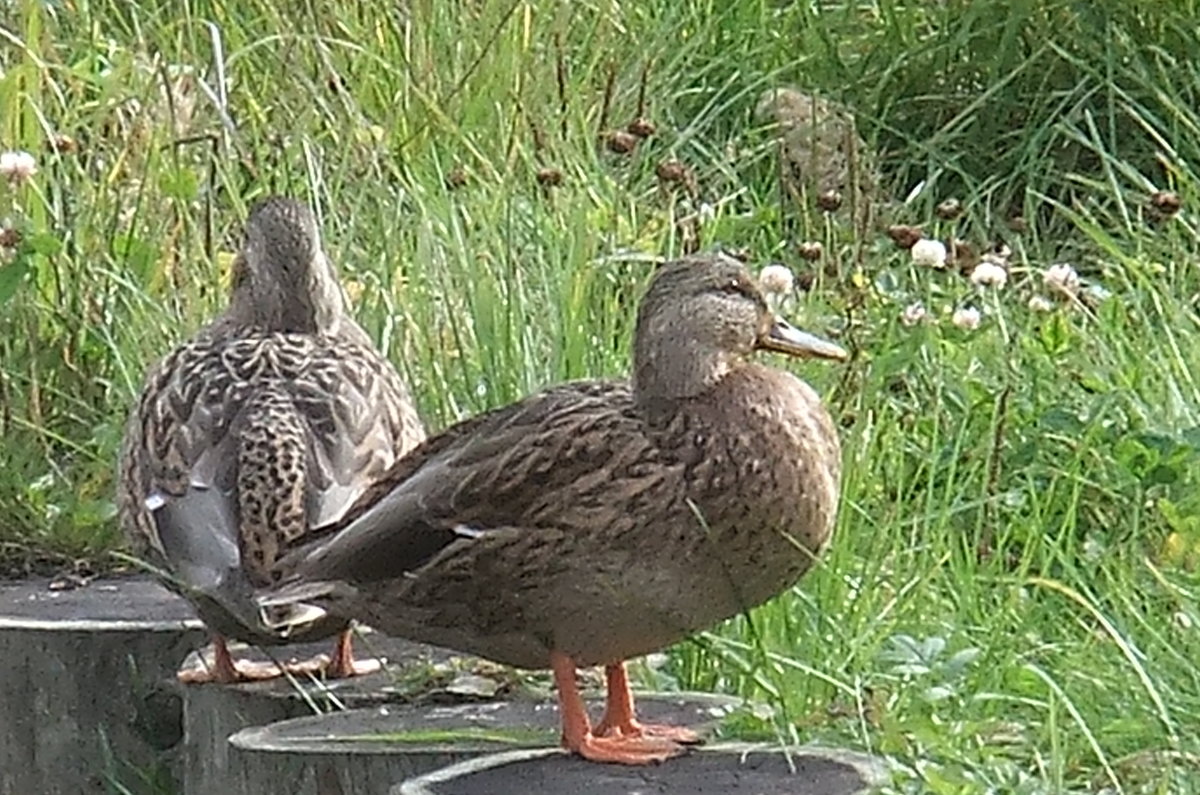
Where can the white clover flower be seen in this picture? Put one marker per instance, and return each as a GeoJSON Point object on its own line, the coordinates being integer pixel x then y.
{"type": "Point", "coordinates": [776, 279]}
{"type": "Point", "coordinates": [1094, 294]}
{"type": "Point", "coordinates": [989, 274]}
{"type": "Point", "coordinates": [17, 166]}
{"type": "Point", "coordinates": [1062, 279]}
{"type": "Point", "coordinates": [966, 318]}
{"type": "Point", "coordinates": [913, 314]}
{"type": "Point", "coordinates": [931, 253]}
{"type": "Point", "coordinates": [1040, 303]}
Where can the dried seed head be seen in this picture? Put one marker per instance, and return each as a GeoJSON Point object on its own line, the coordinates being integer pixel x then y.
{"type": "Point", "coordinates": [963, 256]}
{"type": "Point", "coordinates": [1165, 202]}
{"type": "Point", "coordinates": [456, 178]}
{"type": "Point", "coordinates": [549, 177]}
{"type": "Point", "coordinates": [621, 142]}
{"type": "Point", "coordinates": [63, 145]}
{"type": "Point", "coordinates": [805, 280]}
{"type": "Point", "coordinates": [949, 209]}
{"type": "Point", "coordinates": [905, 236]}
{"type": "Point", "coordinates": [642, 127]}
{"type": "Point", "coordinates": [674, 171]}
{"type": "Point", "coordinates": [9, 237]}
{"type": "Point", "coordinates": [829, 200]}
{"type": "Point", "coordinates": [811, 250]}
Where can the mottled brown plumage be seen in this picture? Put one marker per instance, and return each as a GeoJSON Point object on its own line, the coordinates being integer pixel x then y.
{"type": "Point", "coordinates": [597, 521]}
{"type": "Point", "coordinates": [255, 437]}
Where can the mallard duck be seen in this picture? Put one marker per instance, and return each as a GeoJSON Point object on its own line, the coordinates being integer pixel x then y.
{"type": "Point", "coordinates": [256, 436]}
{"type": "Point", "coordinates": [597, 521]}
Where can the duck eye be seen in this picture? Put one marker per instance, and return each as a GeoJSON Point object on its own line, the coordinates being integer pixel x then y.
{"type": "Point", "coordinates": [734, 287]}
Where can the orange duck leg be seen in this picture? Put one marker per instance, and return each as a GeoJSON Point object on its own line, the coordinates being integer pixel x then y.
{"type": "Point", "coordinates": [577, 735]}
{"type": "Point", "coordinates": [226, 670]}
{"type": "Point", "coordinates": [620, 720]}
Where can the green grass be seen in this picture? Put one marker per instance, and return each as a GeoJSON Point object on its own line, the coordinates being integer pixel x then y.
{"type": "Point", "coordinates": [1065, 445]}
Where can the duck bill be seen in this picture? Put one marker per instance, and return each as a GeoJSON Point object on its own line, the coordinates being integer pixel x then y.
{"type": "Point", "coordinates": [783, 337]}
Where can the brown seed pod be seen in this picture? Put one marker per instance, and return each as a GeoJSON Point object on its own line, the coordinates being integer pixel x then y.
{"type": "Point", "coordinates": [673, 171]}
{"type": "Point", "coordinates": [905, 236]}
{"type": "Point", "coordinates": [829, 200]}
{"type": "Point", "coordinates": [949, 209]}
{"type": "Point", "coordinates": [963, 256]}
{"type": "Point", "coordinates": [549, 177]}
{"type": "Point", "coordinates": [63, 145]}
{"type": "Point", "coordinates": [1165, 202]}
{"type": "Point", "coordinates": [9, 237]}
{"type": "Point", "coordinates": [456, 178]}
{"type": "Point", "coordinates": [811, 250]}
{"type": "Point", "coordinates": [805, 280]}
{"type": "Point", "coordinates": [641, 127]}
{"type": "Point", "coordinates": [621, 142]}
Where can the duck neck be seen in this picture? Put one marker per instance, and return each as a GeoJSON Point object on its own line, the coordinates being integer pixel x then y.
{"type": "Point", "coordinates": [274, 307]}
{"type": "Point", "coordinates": [681, 369]}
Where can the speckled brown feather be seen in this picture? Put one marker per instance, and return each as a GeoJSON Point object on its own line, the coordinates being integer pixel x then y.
{"type": "Point", "coordinates": [285, 427]}
{"type": "Point", "coordinates": [596, 519]}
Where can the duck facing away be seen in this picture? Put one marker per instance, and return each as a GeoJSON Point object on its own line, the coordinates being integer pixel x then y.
{"type": "Point", "coordinates": [257, 435]}
{"type": "Point", "coordinates": [597, 521]}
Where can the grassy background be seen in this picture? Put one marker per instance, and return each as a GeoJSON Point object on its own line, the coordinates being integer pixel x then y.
{"type": "Point", "coordinates": [1066, 443]}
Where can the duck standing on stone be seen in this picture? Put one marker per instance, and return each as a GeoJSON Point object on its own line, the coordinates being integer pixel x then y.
{"type": "Point", "coordinates": [598, 521]}
{"type": "Point", "coordinates": [256, 436]}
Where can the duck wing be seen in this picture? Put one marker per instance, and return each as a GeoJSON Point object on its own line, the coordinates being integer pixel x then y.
{"type": "Point", "coordinates": [556, 459]}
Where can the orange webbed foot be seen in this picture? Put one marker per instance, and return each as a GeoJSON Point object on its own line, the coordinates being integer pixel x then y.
{"type": "Point", "coordinates": [626, 750]}
{"type": "Point", "coordinates": [624, 741]}
{"type": "Point", "coordinates": [226, 670]}
{"type": "Point", "coordinates": [619, 717]}
{"type": "Point", "coordinates": [237, 671]}
{"type": "Point", "coordinates": [657, 731]}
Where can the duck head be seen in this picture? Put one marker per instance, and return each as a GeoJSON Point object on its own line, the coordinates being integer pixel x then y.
{"type": "Point", "coordinates": [700, 318]}
{"type": "Point", "coordinates": [282, 280]}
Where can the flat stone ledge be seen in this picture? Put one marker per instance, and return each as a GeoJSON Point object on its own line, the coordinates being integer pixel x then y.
{"type": "Point", "coordinates": [214, 712]}
{"type": "Point", "coordinates": [122, 604]}
{"type": "Point", "coordinates": [367, 751]}
{"type": "Point", "coordinates": [89, 693]}
{"type": "Point", "coordinates": [722, 769]}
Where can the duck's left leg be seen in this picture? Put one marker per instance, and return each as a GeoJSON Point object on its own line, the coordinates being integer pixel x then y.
{"type": "Point", "coordinates": [343, 665]}
{"type": "Point", "coordinates": [620, 719]}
